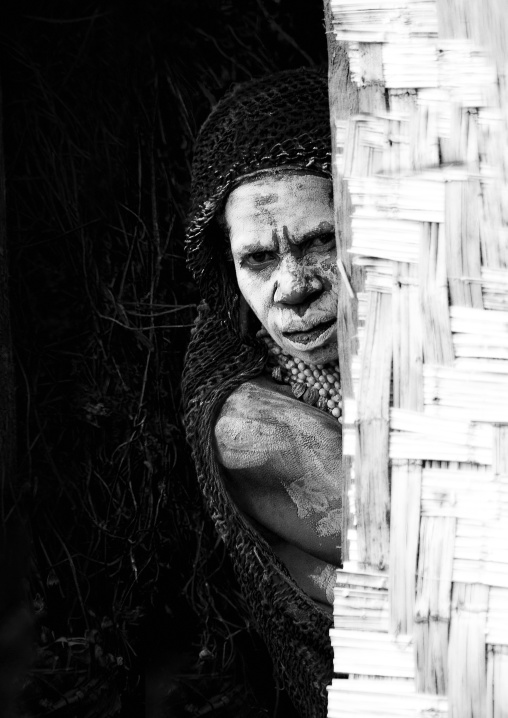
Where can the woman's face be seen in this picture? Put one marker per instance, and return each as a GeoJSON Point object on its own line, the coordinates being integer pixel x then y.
{"type": "Point", "coordinates": [283, 245]}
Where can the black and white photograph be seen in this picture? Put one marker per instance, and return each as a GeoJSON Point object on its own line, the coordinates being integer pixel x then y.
{"type": "Point", "coordinates": [254, 359]}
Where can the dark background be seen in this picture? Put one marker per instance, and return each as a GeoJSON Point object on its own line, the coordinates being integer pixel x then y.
{"type": "Point", "coordinates": [101, 104]}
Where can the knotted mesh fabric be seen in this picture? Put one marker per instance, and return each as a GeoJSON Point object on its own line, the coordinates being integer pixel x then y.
{"type": "Point", "coordinates": [278, 121]}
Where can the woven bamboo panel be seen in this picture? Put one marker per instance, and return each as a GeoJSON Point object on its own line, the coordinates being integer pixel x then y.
{"type": "Point", "coordinates": [421, 605]}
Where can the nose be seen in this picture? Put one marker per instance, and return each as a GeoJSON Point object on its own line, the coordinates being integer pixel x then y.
{"type": "Point", "coordinates": [294, 285]}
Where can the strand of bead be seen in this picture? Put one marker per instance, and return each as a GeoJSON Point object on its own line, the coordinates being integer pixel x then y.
{"type": "Point", "coordinates": [316, 384]}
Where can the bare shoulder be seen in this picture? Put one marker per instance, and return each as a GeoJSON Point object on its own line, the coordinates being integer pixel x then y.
{"type": "Point", "coordinates": [262, 418]}
{"type": "Point", "coordinates": [282, 461]}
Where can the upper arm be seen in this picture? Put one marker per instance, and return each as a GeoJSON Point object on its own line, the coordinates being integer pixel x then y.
{"type": "Point", "coordinates": [283, 468]}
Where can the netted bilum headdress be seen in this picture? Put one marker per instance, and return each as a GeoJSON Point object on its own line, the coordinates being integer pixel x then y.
{"type": "Point", "coordinates": [276, 122]}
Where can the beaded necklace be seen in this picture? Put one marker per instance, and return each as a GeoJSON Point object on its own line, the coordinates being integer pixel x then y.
{"type": "Point", "coordinates": [315, 384]}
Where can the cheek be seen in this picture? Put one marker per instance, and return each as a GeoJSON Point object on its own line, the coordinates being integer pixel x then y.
{"type": "Point", "coordinates": [325, 268]}
{"type": "Point", "coordinates": [255, 290]}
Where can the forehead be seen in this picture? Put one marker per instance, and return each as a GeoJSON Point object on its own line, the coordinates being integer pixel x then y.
{"type": "Point", "coordinates": [264, 205]}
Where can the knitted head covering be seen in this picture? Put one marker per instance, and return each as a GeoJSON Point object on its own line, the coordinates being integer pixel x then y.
{"type": "Point", "coordinates": [277, 121]}
{"type": "Point", "coordinates": [280, 121]}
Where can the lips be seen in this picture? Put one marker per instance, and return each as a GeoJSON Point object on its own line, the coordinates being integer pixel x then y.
{"type": "Point", "coordinates": [310, 335]}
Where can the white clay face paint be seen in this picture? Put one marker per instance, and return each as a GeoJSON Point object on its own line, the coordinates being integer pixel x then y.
{"type": "Point", "coordinates": [308, 497]}
{"type": "Point", "coordinates": [259, 429]}
{"type": "Point", "coordinates": [325, 579]}
{"type": "Point", "coordinates": [331, 524]}
{"type": "Point", "coordinates": [315, 486]}
{"type": "Point", "coordinates": [283, 244]}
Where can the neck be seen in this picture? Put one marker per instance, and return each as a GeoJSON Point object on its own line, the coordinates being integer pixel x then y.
{"type": "Point", "coordinates": [316, 384]}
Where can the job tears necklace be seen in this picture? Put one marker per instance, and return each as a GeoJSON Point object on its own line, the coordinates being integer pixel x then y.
{"type": "Point", "coordinates": [315, 384]}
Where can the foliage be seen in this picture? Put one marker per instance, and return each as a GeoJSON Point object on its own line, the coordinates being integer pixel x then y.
{"type": "Point", "coordinates": [102, 105]}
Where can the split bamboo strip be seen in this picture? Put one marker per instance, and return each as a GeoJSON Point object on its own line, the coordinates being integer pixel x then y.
{"type": "Point", "coordinates": [493, 152]}
{"type": "Point", "coordinates": [361, 601]}
{"type": "Point", "coordinates": [500, 452]}
{"type": "Point", "coordinates": [462, 145]}
{"type": "Point", "coordinates": [481, 550]}
{"type": "Point", "coordinates": [482, 366]}
{"type": "Point", "coordinates": [497, 617]}
{"type": "Point", "coordinates": [487, 25]}
{"type": "Point", "coordinates": [388, 213]}
{"type": "Point", "coordinates": [478, 321]}
{"type": "Point", "coordinates": [355, 366]}
{"type": "Point", "coordinates": [467, 692]}
{"type": "Point", "coordinates": [495, 288]}
{"type": "Point", "coordinates": [479, 333]}
{"type": "Point", "coordinates": [384, 20]}
{"type": "Point", "coordinates": [407, 378]}
{"type": "Point", "coordinates": [402, 103]}
{"type": "Point", "coordinates": [432, 605]}
{"type": "Point", "coordinates": [462, 232]}
{"type": "Point", "coordinates": [471, 345]}
{"type": "Point", "coordinates": [479, 396]}
{"type": "Point", "coordinates": [375, 653]}
{"type": "Point", "coordinates": [376, 235]}
{"type": "Point", "coordinates": [422, 18]}
{"type": "Point", "coordinates": [372, 480]}
{"type": "Point", "coordinates": [363, 310]}
{"type": "Point", "coordinates": [437, 337]}
{"type": "Point", "coordinates": [378, 274]}
{"type": "Point", "coordinates": [349, 417]}
{"type": "Point", "coordinates": [363, 147]}
{"type": "Point", "coordinates": [414, 435]}
{"type": "Point", "coordinates": [431, 124]}
{"type": "Point", "coordinates": [377, 145]}
{"type": "Point", "coordinates": [494, 234]}
{"type": "Point", "coordinates": [405, 476]}
{"type": "Point", "coordinates": [418, 447]}
{"type": "Point", "coordinates": [462, 494]}
{"type": "Point", "coordinates": [348, 440]}
{"type": "Point", "coordinates": [497, 681]}
{"type": "Point", "coordinates": [389, 699]}
{"type": "Point", "coordinates": [468, 73]}
{"type": "Point", "coordinates": [352, 539]}
{"type": "Point", "coordinates": [410, 64]}
{"type": "Point", "coordinates": [444, 132]}
{"type": "Point", "coordinates": [415, 198]}
{"type": "Point", "coordinates": [404, 533]}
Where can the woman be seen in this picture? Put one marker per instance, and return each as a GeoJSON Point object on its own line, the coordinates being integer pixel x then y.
{"type": "Point", "coordinates": [261, 383]}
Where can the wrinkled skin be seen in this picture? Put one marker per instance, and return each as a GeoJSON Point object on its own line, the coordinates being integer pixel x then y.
{"type": "Point", "coordinates": [281, 229]}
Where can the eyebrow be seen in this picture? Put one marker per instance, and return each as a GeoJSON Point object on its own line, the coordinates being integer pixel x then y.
{"type": "Point", "coordinates": [252, 248]}
{"type": "Point", "coordinates": [324, 228]}
{"type": "Point", "coordinates": [259, 246]}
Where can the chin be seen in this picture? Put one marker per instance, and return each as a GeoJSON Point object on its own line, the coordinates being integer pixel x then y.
{"type": "Point", "coordinates": [322, 354]}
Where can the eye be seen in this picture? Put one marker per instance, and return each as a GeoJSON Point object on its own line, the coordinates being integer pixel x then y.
{"type": "Point", "coordinates": [322, 241]}
{"type": "Point", "coordinates": [259, 259]}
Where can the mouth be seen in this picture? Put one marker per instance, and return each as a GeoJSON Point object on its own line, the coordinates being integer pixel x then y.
{"type": "Point", "coordinates": [314, 336]}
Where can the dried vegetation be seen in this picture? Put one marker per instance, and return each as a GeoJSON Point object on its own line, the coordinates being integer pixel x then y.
{"type": "Point", "coordinates": [102, 102]}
